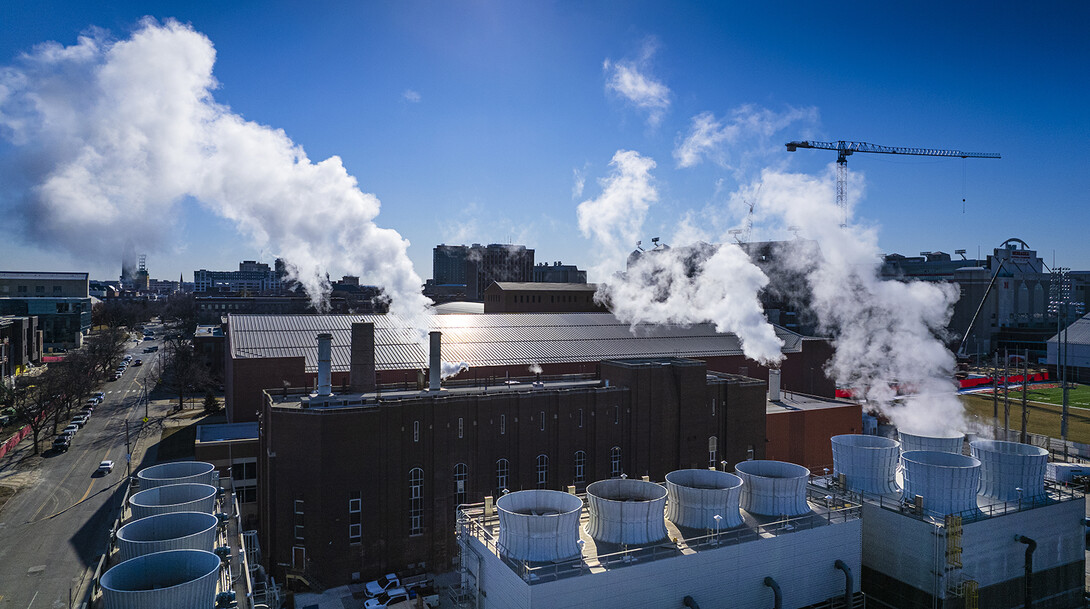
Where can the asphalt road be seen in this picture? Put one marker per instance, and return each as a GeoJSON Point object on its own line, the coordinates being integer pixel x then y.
{"type": "Point", "coordinates": [53, 530]}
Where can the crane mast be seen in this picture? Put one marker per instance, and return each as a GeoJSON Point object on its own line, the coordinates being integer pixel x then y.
{"type": "Point", "coordinates": [844, 149]}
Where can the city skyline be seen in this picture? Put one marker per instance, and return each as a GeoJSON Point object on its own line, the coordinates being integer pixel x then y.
{"type": "Point", "coordinates": [494, 123]}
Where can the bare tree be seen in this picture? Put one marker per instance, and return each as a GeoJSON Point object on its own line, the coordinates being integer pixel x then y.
{"type": "Point", "coordinates": [33, 404]}
{"type": "Point", "coordinates": [105, 348]}
{"type": "Point", "coordinates": [183, 369]}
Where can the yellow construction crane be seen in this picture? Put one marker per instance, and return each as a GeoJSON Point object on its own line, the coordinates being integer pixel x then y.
{"type": "Point", "coordinates": [845, 149]}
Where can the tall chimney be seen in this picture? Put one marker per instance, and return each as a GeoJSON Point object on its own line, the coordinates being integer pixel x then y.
{"type": "Point", "coordinates": [773, 385]}
{"type": "Point", "coordinates": [361, 371]}
{"type": "Point", "coordinates": [435, 363]}
{"type": "Point", "coordinates": [325, 363]}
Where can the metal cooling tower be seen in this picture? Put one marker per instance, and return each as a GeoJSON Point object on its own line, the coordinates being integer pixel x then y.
{"type": "Point", "coordinates": [539, 525]}
{"type": "Point", "coordinates": [946, 443]}
{"type": "Point", "coordinates": [773, 488]}
{"type": "Point", "coordinates": [696, 496]}
{"type": "Point", "coordinates": [626, 511]}
{"type": "Point", "coordinates": [869, 463]}
{"type": "Point", "coordinates": [947, 482]}
{"type": "Point", "coordinates": [176, 473]}
{"type": "Point", "coordinates": [179, 579]}
{"type": "Point", "coordinates": [170, 531]}
{"type": "Point", "coordinates": [1006, 467]}
{"type": "Point", "coordinates": [173, 498]}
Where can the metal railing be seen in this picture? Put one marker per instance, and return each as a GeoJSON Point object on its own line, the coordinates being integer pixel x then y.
{"type": "Point", "coordinates": [837, 509]}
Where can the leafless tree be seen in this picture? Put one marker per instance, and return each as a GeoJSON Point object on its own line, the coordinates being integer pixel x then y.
{"type": "Point", "coordinates": [183, 369]}
{"type": "Point", "coordinates": [33, 404]}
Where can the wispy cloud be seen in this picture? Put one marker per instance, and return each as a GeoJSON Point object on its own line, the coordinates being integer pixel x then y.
{"type": "Point", "coordinates": [632, 80]}
{"type": "Point", "coordinates": [748, 131]}
{"type": "Point", "coordinates": [411, 96]}
{"type": "Point", "coordinates": [579, 179]}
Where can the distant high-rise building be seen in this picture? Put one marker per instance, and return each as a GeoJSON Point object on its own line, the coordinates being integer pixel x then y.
{"type": "Point", "coordinates": [558, 273]}
{"type": "Point", "coordinates": [448, 264]}
{"type": "Point", "coordinates": [477, 266]}
{"type": "Point", "coordinates": [251, 276]}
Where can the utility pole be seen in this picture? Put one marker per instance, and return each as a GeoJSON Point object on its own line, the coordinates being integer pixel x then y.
{"type": "Point", "coordinates": [1006, 396]}
{"type": "Point", "coordinates": [995, 396]}
{"type": "Point", "coordinates": [128, 452]}
{"type": "Point", "coordinates": [1025, 389]}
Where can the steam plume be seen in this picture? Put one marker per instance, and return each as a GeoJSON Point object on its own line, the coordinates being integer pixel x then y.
{"type": "Point", "coordinates": [112, 137]}
{"type": "Point", "coordinates": [885, 332]}
{"type": "Point", "coordinates": [712, 284]}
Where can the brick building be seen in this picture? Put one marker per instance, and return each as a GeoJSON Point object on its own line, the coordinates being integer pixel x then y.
{"type": "Point", "coordinates": [353, 485]}
{"type": "Point", "coordinates": [273, 351]}
{"type": "Point", "coordinates": [513, 297]}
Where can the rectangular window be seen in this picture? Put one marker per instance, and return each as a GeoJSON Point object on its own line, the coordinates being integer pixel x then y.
{"type": "Point", "coordinates": [246, 494]}
{"type": "Point", "coordinates": [355, 524]}
{"type": "Point", "coordinates": [244, 471]}
{"type": "Point", "coordinates": [56, 289]}
{"type": "Point", "coordinates": [298, 532]}
{"type": "Point", "coordinates": [616, 415]}
{"type": "Point", "coordinates": [503, 424]}
{"type": "Point", "coordinates": [459, 427]}
{"type": "Point", "coordinates": [416, 431]}
{"type": "Point", "coordinates": [580, 417]}
{"type": "Point", "coordinates": [542, 420]}
{"type": "Point", "coordinates": [713, 407]}
{"type": "Point", "coordinates": [39, 289]}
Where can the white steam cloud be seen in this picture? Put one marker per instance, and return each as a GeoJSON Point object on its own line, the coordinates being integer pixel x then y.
{"type": "Point", "coordinates": [449, 369]}
{"type": "Point", "coordinates": [631, 80]}
{"type": "Point", "coordinates": [747, 133]}
{"type": "Point", "coordinates": [534, 369]}
{"type": "Point", "coordinates": [885, 333]}
{"type": "Point", "coordinates": [715, 284]}
{"type": "Point", "coordinates": [112, 137]}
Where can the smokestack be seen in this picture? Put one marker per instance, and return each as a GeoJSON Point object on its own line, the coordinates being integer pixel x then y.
{"type": "Point", "coordinates": [773, 385]}
{"type": "Point", "coordinates": [361, 371]}
{"type": "Point", "coordinates": [435, 363]}
{"type": "Point", "coordinates": [325, 363]}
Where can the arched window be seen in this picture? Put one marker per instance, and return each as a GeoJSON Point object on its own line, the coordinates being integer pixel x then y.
{"type": "Point", "coordinates": [461, 474]}
{"type": "Point", "coordinates": [542, 471]}
{"type": "Point", "coordinates": [615, 461]}
{"type": "Point", "coordinates": [416, 501]}
{"type": "Point", "coordinates": [503, 468]}
{"type": "Point", "coordinates": [580, 467]}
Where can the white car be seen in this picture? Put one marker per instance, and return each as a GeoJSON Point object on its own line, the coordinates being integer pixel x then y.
{"type": "Point", "coordinates": [382, 584]}
{"type": "Point", "coordinates": [71, 429]}
{"type": "Point", "coordinates": [390, 597]}
{"type": "Point", "coordinates": [106, 467]}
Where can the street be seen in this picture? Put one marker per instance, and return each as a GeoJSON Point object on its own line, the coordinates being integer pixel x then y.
{"type": "Point", "coordinates": [55, 527]}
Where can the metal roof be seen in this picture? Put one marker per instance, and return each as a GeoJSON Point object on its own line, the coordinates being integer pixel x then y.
{"type": "Point", "coordinates": [1078, 333]}
{"type": "Point", "coordinates": [491, 339]}
{"type": "Point", "coordinates": [43, 275]}
{"type": "Point", "coordinates": [523, 286]}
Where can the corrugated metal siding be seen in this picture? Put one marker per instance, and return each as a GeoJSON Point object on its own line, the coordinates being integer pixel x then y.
{"type": "Point", "coordinates": [483, 340]}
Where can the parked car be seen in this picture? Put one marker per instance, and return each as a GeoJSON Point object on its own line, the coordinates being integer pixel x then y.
{"type": "Point", "coordinates": [71, 428]}
{"type": "Point", "coordinates": [101, 395]}
{"type": "Point", "coordinates": [91, 403]}
{"type": "Point", "coordinates": [61, 443]}
{"type": "Point", "coordinates": [380, 585]}
{"type": "Point", "coordinates": [87, 412]}
{"type": "Point", "coordinates": [116, 376]}
{"type": "Point", "coordinates": [390, 597]}
{"type": "Point", "coordinates": [138, 363]}
{"type": "Point", "coordinates": [79, 421]}
{"type": "Point", "coordinates": [127, 358]}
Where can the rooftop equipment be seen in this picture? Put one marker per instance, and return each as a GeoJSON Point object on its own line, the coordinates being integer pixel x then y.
{"type": "Point", "coordinates": [179, 579]}
{"type": "Point", "coordinates": [435, 360]}
{"type": "Point", "coordinates": [176, 473]}
{"type": "Point", "coordinates": [947, 482]}
{"type": "Point", "coordinates": [169, 531]}
{"type": "Point", "coordinates": [773, 488]}
{"type": "Point", "coordinates": [947, 443]}
{"type": "Point", "coordinates": [869, 463]}
{"type": "Point", "coordinates": [1010, 471]}
{"type": "Point", "coordinates": [173, 498]}
{"type": "Point", "coordinates": [773, 385]}
{"type": "Point", "coordinates": [325, 364]}
{"type": "Point", "coordinates": [696, 496]}
{"type": "Point", "coordinates": [539, 525]}
{"type": "Point", "coordinates": [626, 511]}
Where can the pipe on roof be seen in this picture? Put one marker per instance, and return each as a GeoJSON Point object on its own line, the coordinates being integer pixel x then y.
{"type": "Point", "coordinates": [689, 602]}
{"type": "Point", "coordinates": [1031, 545]}
{"type": "Point", "coordinates": [848, 582]}
{"type": "Point", "coordinates": [777, 596]}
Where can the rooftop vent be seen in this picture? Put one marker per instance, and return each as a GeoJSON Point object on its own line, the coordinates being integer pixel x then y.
{"type": "Point", "coordinates": [697, 496]}
{"type": "Point", "coordinates": [869, 463]}
{"type": "Point", "coordinates": [626, 511]}
{"type": "Point", "coordinates": [1009, 467]}
{"type": "Point", "coordinates": [180, 579]}
{"type": "Point", "coordinates": [179, 472]}
{"type": "Point", "coordinates": [773, 488]}
{"type": "Point", "coordinates": [539, 525]}
{"type": "Point", "coordinates": [947, 482]}
{"type": "Point", "coordinates": [325, 364]}
{"type": "Point", "coordinates": [173, 498]}
{"type": "Point", "coordinates": [435, 361]}
{"type": "Point", "coordinates": [170, 531]}
{"type": "Point", "coordinates": [946, 443]}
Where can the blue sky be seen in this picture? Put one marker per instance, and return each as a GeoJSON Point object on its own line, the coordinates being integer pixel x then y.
{"type": "Point", "coordinates": [476, 121]}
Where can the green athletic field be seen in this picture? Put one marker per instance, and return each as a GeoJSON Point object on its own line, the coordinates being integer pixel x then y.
{"type": "Point", "coordinates": [1044, 411]}
{"type": "Point", "coordinates": [1077, 396]}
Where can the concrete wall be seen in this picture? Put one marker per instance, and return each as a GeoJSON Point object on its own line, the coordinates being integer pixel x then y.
{"type": "Point", "coordinates": [731, 576]}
